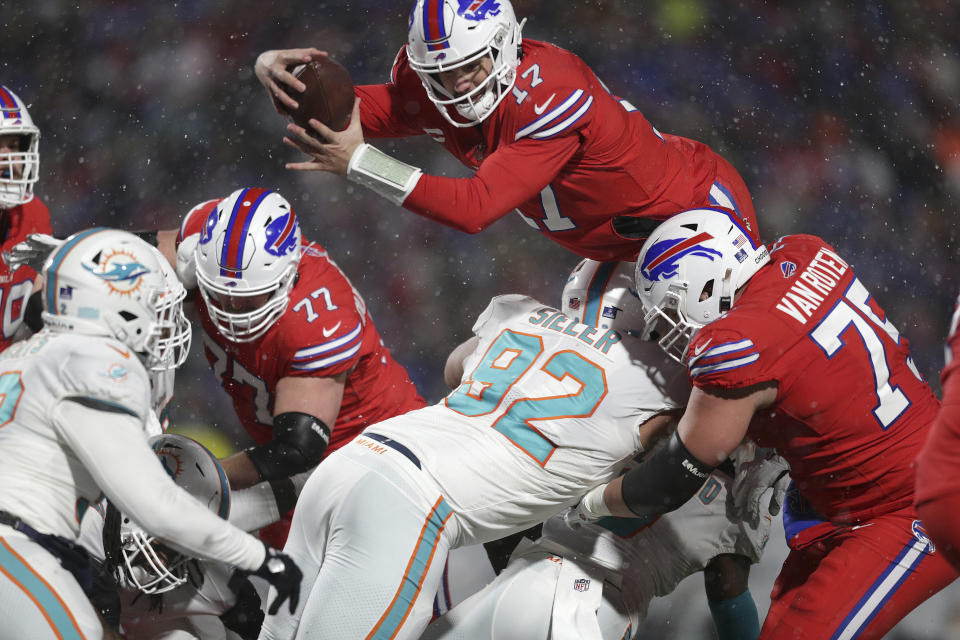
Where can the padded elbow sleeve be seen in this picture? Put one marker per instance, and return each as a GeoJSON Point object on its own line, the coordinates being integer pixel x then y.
{"type": "Point", "coordinates": [664, 482]}
{"type": "Point", "coordinates": [299, 440]}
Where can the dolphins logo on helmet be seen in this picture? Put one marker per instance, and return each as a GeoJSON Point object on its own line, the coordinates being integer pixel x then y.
{"type": "Point", "coordinates": [121, 271]}
{"type": "Point", "coordinates": [660, 262]}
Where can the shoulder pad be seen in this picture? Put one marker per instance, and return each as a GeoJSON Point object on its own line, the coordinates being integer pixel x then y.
{"type": "Point", "coordinates": [103, 370]}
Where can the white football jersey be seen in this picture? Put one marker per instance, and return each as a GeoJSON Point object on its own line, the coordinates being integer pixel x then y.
{"type": "Point", "coordinates": [41, 480]}
{"type": "Point", "coordinates": [546, 408]}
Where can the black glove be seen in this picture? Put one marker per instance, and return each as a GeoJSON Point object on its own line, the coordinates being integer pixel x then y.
{"type": "Point", "coordinates": [245, 617]}
{"type": "Point", "coordinates": [284, 575]}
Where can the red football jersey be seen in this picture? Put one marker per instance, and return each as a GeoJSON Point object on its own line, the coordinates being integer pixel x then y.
{"type": "Point", "coordinates": [851, 411]}
{"type": "Point", "coordinates": [936, 477]}
{"type": "Point", "coordinates": [15, 288]}
{"type": "Point", "coordinates": [325, 331]}
{"type": "Point", "coordinates": [562, 150]}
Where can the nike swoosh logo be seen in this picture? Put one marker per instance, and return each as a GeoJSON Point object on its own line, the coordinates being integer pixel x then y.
{"type": "Point", "coordinates": [697, 350]}
{"type": "Point", "coordinates": [125, 354]}
{"type": "Point", "coordinates": [540, 108]}
{"type": "Point", "coordinates": [329, 332]}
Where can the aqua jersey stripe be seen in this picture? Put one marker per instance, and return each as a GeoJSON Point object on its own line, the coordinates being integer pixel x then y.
{"type": "Point", "coordinates": [391, 621]}
{"type": "Point", "coordinates": [50, 603]}
{"type": "Point", "coordinates": [591, 312]}
{"type": "Point", "coordinates": [57, 260]}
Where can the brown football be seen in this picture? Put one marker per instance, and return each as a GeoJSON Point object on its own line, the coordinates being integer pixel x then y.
{"type": "Point", "coordinates": [328, 96]}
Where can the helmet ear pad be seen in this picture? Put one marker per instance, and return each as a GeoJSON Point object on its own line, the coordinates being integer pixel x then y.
{"type": "Point", "coordinates": [444, 36]}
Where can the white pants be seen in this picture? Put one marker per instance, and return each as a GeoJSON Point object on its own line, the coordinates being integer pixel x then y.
{"type": "Point", "coordinates": [39, 599]}
{"type": "Point", "coordinates": [371, 543]}
{"type": "Point", "coordinates": [520, 604]}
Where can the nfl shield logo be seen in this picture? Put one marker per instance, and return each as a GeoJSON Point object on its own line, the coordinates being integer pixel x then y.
{"type": "Point", "coordinates": [574, 303]}
{"type": "Point", "coordinates": [581, 584]}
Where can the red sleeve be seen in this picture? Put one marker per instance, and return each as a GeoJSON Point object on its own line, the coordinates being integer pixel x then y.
{"type": "Point", "coordinates": [389, 110]}
{"type": "Point", "coordinates": [937, 493]}
{"type": "Point", "coordinates": [40, 219]}
{"type": "Point", "coordinates": [510, 176]}
{"type": "Point", "coordinates": [726, 358]}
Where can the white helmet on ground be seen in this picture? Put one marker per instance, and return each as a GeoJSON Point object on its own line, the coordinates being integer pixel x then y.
{"type": "Point", "coordinates": [109, 282]}
{"type": "Point", "coordinates": [446, 34]}
{"type": "Point", "coordinates": [19, 170]}
{"type": "Point", "coordinates": [246, 262]}
{"type": "Point", "coordinates": [688, 272]}
{"type": "Point", "coordinates": [148, 564]}
{"type": "Point", "coordinates": [601, 294]}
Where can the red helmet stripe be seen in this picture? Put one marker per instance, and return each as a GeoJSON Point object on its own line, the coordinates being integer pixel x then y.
{"type": "Point", "coordinates": [677, 248]}
{"type": "Point", "coordinates": [231, 257]}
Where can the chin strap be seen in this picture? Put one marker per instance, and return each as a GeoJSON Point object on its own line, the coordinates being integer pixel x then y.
{"type": "Point", "coordinates": [726, 292]}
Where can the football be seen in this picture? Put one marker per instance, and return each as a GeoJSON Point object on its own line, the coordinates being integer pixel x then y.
{"type": "Point", "coordinates": [328, 96]}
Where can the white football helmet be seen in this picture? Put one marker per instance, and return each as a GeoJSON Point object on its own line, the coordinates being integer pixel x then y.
{"type": "Point", "coordinates": [19, 170]}
{"type": "Point", "coordinates": [601, 294]}
{"type": "Point", "coordinates": [111, 283]}
{"type": "Point", "coordinates": [246, 261]}
{"type": "Point", "coordinates": [148, 564]}
{"type": "Point", "coordinates": [689, 271]}
{"type": "Point", "coordinates": [443, 35]}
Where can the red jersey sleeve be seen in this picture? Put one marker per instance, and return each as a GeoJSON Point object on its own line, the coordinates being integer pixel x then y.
{"type": "Point", "coordinates": [389, 110]}
{"type": "Point", "coordinates": [197, 218]}
{"type": "Point", "coordinates": [507, 178]}
{"type": "Point", "coordinates": [39, 218]}
{"type": "Point", "coordinates": [725, 357]}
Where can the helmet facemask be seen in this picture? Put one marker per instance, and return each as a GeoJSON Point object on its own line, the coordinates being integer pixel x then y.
{"type": "Point", "coordinates": [148, 564]}
{"type": "Point", "coordinates": [246, 326]}
{"type": "Point", "coordinates": [168, 337]}
{"type": "Point", "coordinates": [19, 169]}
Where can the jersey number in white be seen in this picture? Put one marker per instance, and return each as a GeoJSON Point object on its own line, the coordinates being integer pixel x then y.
{"type": "Point", "coordinates": [891, 401]}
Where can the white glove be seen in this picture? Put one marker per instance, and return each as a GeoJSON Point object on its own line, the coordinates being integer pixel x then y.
{"type": "Point", "coordinates": [766, 471]}
{"type": "Point", "coordinates": [186, 262]}
{"type": "Point", "coordinates": [590, 509]}
{"type": "Point", "coordinates": [32, 252]}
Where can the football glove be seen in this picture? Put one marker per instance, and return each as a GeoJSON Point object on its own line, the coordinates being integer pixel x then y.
{"type": "Point", "coordinates": [766, 471]}
{"type": "Point", "coordinates": [32, 252]}
{"type": "Point", "coordinates": [590, 509]}
{"type": "Point", "coordinates": [284, 575]}
{"type": "Point", "coordinates": [245, 617]}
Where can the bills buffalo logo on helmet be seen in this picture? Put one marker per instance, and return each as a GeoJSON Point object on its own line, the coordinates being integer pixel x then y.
{"type": "Point", "coordinates": [281, 235]}
{"type": "Point", "coordinates": [478, 9]}
{"type": "Point", "coordinates": [661, 260]}
{"type": "Point", "coordinates": [206, 234]}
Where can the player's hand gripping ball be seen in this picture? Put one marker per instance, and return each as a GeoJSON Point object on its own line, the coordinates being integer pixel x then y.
{"type": "Point", "coordinates": [328, 96]}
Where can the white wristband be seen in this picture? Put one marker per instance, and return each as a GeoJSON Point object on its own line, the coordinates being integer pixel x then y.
{"type": "Point", "coordinates": [592, 504]}
{"type": "Point", "coordinates": [382, 174]}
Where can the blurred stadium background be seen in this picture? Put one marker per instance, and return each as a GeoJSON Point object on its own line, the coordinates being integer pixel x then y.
{"type": "Point", "coordinates": [842, 117]}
